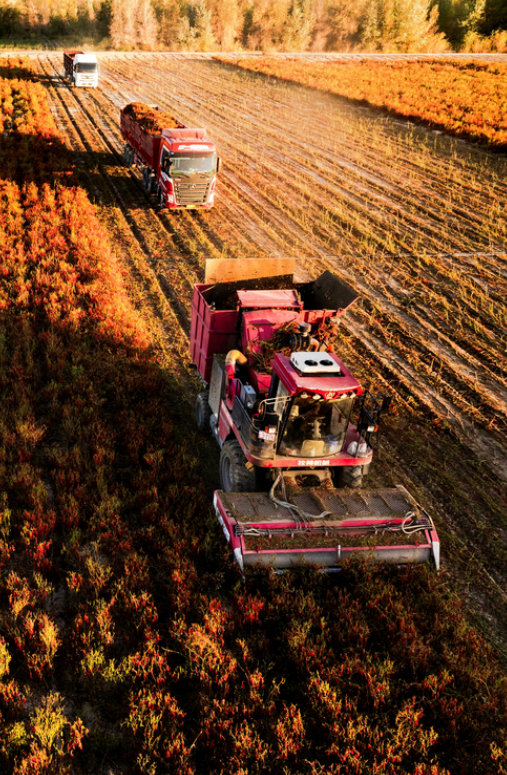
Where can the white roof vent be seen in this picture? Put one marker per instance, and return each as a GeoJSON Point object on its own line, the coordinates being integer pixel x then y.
{"type": "Point", "coordinates": [315, 363]}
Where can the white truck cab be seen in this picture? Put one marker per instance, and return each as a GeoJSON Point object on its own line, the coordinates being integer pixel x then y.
{"type": "Point", "coordinates": [81, 68]}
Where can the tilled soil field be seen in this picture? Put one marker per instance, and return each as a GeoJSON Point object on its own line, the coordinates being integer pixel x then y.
{"type": "Point", "coordinates": [414, 220]}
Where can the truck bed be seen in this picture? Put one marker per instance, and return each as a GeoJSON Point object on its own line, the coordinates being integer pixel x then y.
{"type": "Point", "coordinates": [146, 145]}
{"type": "Point", "coordinates": [383, 525]}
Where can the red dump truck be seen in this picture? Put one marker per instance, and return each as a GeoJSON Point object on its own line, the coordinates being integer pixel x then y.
{"type": "Point", "coordinates": [296, 430]}
{"type": "Point", "coordinates": [178, 164]}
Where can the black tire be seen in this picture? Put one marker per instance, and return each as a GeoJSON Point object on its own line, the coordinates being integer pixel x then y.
{"type": "Point", "coordinates": [234, 475]}
{"type": "Point", "coordinates": [161, 199]}
{"type": "Point", "coordinates": [203, 412]}
{"type": "Point", "coordinates": [126, 154]}
{"type": "Point", "coordinates": [146, 180]}
{"type": "Point", "coordinates": [350, 476]}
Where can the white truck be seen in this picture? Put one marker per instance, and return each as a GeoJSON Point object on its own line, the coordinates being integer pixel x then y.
{"type": "Point", "coordinates": [81, 68]}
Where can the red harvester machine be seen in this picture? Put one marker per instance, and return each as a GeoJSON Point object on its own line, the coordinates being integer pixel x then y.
{"type": "Point", "coordinates": [280, 403]}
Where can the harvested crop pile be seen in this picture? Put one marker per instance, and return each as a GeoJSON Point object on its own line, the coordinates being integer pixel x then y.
{"type": "Point", "coordinates": [262, 351]}
{"type": "Point", "coordinates": [152, 119]}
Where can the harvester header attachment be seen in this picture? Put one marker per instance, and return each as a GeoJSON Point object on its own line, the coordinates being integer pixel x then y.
{"type": "Point", "coordinates": [324, 528]}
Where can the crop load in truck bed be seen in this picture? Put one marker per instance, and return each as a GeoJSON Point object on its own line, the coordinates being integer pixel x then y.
{"type": "Point", "coordinates": [152, 120]}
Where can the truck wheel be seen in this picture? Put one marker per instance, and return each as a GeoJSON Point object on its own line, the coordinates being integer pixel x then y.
{"type": "Point", "coordinates": [350, 476]}
{"type": "Point", "coordinates": [234, 475]}
{"type": "Point", "coordinates": [146, 179]}
{"type": "Point", "coordinates": [161, 199]}
{"type": "Point", "coordinates": [203, 412]}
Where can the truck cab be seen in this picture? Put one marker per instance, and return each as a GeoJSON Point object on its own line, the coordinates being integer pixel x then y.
{"type": "Point", "coordinates": [178, 164]}
{"type": "Point", "coordinates": [187, 169]}
{"type": "Point", "coordinates": [81, 68]}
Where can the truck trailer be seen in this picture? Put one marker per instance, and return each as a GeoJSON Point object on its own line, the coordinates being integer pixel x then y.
{"type": "Point", "coordinates": [296, 430]}
{"type": "Point", "coordinates": [178, 164]}
{"type": "Point", "coordinates": [81, 68]}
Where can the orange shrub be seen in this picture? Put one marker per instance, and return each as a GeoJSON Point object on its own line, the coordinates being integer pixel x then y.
{"type": "Point", "coordinates": [24, 108]}
{"type": "Point", "coordinates": [16, 67]}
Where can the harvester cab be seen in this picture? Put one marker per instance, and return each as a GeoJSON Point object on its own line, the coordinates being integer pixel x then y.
{"type": "Point", "coordinates": [281, 404]}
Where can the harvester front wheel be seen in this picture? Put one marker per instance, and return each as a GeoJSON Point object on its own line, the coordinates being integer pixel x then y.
{"type": "Point", "coordinates": [203, 412]}
{"type": "Point", "coordinates": [351, 476]}
{"type": "Point", "coordinates": [234, 474]}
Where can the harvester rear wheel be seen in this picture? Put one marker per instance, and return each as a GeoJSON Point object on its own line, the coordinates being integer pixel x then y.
{"type": "Point", "coordinates": [234, 474]}
{"type": "Point", "coordinates": [128, 155]}
{"type": "Point", "coordinates": [203, 412]}
{"type": "Point", "coordinates": [350, 476]}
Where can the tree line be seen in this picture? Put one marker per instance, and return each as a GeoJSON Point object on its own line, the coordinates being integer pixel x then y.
{"type": "Point", "coordinates": [264, 25]}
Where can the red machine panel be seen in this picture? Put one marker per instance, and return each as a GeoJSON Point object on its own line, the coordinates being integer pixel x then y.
{"type": "Point", "coordinates": [212, 331]}
{"type": "Point", "coordinates": [325, 386]}
{"type": "Point", "coordinates": [285, 299]}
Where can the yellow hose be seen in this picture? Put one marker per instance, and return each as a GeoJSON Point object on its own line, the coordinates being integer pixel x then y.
{"type": "Point", "coordinates": [234, 356]}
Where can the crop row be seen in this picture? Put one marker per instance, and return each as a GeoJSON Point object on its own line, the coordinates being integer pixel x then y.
{"type": "Point", "coordinates": [465, 98]}
{"type": "Point", "coordinates": [114, 587]}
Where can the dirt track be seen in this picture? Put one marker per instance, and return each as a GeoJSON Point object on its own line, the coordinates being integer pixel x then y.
{"type": "Point", "coordinates": [414, 220]}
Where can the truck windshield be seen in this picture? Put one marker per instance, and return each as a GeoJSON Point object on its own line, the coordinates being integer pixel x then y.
{"type": "Point", "coordinates": [191, 165]}
{"type": "Point", "coordinates": [86, 67]}
{"type": "Point", "coordinates": [315, 428]}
